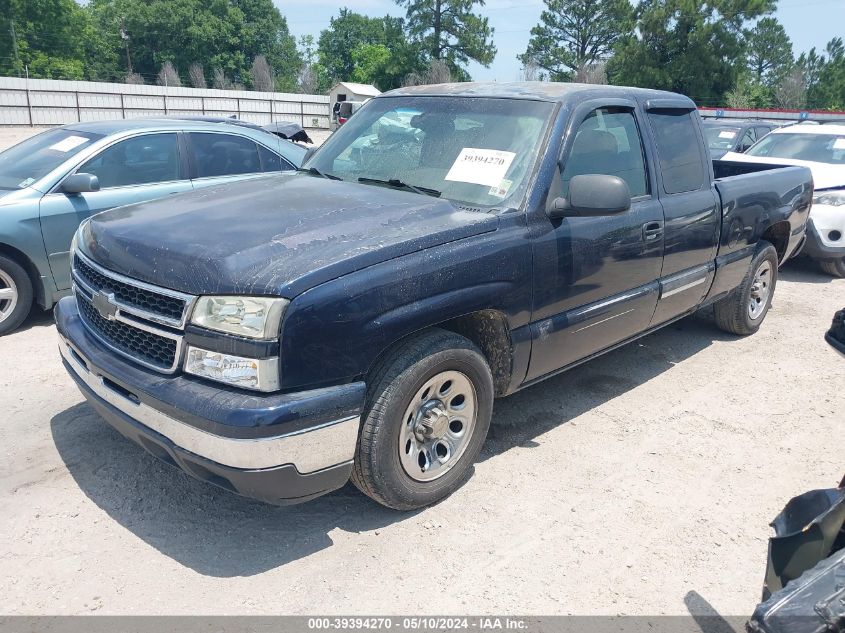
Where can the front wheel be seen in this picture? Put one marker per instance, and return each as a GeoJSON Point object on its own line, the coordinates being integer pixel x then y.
{"type": "Point", "coordinates": [428, 412]}
{"type": "Point", "coordinates": [833, 267]}
{"type": "Point", "coordinates": [15, 295]}
{"type": "Point", "coordinates": [743, 311]}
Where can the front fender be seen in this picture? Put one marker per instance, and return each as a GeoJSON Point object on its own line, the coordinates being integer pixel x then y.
{"type": "Point", "coordinates": [334, 332]}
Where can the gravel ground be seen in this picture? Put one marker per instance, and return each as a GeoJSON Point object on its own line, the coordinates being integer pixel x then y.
{"type": "Point", "coordinates": [639, 483]}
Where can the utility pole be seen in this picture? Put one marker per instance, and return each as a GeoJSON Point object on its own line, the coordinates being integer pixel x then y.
{"type": "Point", "coordinates": [15, 46]}
{"type": "Point", "coordinates": [125, 37]}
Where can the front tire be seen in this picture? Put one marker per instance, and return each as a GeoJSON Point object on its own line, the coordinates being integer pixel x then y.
{"type": "Point", "coordinates": [833, 267]}
{"type": "Point", "coordinates": [743, 311]}
{"type": "Point", "coordinates": [15, 295]}
{"type": "Point", "coordinates": [428, 410]}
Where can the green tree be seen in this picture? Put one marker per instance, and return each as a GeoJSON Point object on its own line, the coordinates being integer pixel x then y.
{"type": "Point", "coordinates": [827, 92]}
{"type": "Point", "coordinates": [50, 38]}
{"type": "Point", "coordinates": [370, 61]}
{"type": "Point", "coordinates": [696, 47]}
{"type": "Point", "coordinates": [224, 34]}
{"type": "Point", "coordinates": [575, 34]}
{"type": "Point", "coordinates": [449, 30]}
{"type": "Point", "coordinates": [345, 34]}
{"type": "Point", "coordinates": [769, 51]}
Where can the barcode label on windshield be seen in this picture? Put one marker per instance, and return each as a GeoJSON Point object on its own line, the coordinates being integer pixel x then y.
{"type": "Point", "coordinates": [481, 166]}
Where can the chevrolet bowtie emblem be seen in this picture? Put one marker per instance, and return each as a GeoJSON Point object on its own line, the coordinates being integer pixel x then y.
{"type": "Point", "coordinates": [104, 303]}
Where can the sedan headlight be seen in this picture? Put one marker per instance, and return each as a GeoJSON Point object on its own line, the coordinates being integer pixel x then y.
{"type": "Point", "coordinates": [830, 198]}
{"type": "Point", "coordinates": [253, 317]}
{"type": "Point", "coordinates": [248, 373]}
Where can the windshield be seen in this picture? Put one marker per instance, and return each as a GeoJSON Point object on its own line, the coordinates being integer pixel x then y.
{"type": "Point", "coordinates": [475, 151]}
{"type": "Point", "coordinates": [26, 162]}
{"type": "Point", "coordinates": [721, 136]}
{"type": "Point", "coordinates": [819, 148]}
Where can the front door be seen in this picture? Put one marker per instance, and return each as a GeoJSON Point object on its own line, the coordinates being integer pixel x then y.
{"type": "Point", "coordinates": [133, 170]}
{"type": "Point", "coordinates": [596, 278]}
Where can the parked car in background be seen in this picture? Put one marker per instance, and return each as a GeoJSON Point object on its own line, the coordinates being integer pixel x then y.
{"type": "Point", "coordinates": [51, 182]}
{"type": "Point", "coordinates": [344, 112]}
{"type": "Point", "coordinates": [822, 149]}
{"type": "Point", "coordinates": [449, 245]}
{"type": "Point", "coordinates": [733, 135]}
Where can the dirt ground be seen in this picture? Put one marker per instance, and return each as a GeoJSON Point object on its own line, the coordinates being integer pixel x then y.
{"type": "Point", "coordinates": [640, 483]}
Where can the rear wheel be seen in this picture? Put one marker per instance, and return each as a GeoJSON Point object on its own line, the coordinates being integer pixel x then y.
{"type": "Point", "coordinates": [743, 311]}
{"type": "Point", "coordinates": [429, 408]}
{"type": "Point", "coordinates": [833, 267]}
{"type": "Point", "coordinates": [15, 295]}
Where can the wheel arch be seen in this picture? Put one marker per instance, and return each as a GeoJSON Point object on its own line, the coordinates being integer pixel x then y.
{"type": "Point", "coordinates": [487, 328]}
{"type": "Point", "coordinates": [18, 256]}
{"type": "Point", "coordinates": [778, 236]}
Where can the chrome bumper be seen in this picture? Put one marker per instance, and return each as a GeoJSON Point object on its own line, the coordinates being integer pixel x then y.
{"type": "Point", "coordinates": [309, 450]}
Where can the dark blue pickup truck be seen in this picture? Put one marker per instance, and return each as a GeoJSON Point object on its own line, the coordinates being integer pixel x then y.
{"type": "Point", "coordinates": [449, 245]}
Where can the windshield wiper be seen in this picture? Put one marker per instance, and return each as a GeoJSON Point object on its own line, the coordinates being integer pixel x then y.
{"type": "Point", "coordinates": [317, 172]}
{"type": "Point", "coordinates": [400, 184]}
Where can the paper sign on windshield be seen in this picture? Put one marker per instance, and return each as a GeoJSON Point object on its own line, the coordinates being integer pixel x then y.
{"type": "Point", "coordinates": [839, 143]}
{"type": "Point", "coordinates": [67, 144]}
{"type": "Point", "coordinates": [727, 134]}
{"type": "Point", "coordinates": [481, 166]}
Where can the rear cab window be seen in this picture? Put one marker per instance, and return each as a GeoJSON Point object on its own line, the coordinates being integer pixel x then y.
{"type": "Point", "coordinates": [678, 150]}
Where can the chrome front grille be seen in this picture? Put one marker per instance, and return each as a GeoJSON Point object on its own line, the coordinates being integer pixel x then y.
{"type": "Point", "coordinates": [142, 322]}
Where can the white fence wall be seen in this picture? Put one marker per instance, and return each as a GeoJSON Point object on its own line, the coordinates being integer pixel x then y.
{"type": "Point", "coordinates": [55, 102]}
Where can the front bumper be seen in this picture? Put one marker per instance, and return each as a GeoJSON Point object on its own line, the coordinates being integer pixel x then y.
{"type": "Point", "coordinates": [824, 223]}
{"type": "Point", "coordinates": [278, 448]}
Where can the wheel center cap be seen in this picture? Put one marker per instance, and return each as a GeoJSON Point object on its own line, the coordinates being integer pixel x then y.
{"type": "Point", "coordinates": [432, 421]}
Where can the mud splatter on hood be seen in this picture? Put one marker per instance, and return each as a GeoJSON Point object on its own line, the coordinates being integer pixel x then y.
{"type": "Point", "coordinates": [276, 235]}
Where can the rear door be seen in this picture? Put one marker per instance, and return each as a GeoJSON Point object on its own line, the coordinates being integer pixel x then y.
{"type": "Point", "coordinates": [690, 208]}
{"type": "Point", "coordinates": [595, 279]}
{"type": "Point", "coordinates": [136, 169]}
{"type": "Point", "coordinates": [217, 158]}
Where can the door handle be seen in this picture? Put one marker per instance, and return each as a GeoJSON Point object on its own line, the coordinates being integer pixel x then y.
{"type": "Point", "coordinates": [652, 231]}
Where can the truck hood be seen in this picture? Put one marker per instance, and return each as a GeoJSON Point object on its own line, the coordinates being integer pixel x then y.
{"type": "Point", "coordinates": [825, 175]}
{"type": "Point", "coordinates": [278, 235]}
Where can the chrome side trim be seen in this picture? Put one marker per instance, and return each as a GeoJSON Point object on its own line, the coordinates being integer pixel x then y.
{"type": "Point", "coordinates": [610, 318]}
{"type": "Point", "coordinates": [691, 284]}
{"type": "Point", "coordinates": [177, 359]}
{"type": "Point", "coordinates": [187, 299]}
{"type": "Point", "coordinates": [308, 450]}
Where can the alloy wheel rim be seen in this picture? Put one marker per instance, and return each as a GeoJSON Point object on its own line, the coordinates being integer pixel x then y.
{"type": "Point", "coordinates": [8, 295]}
{"type": "Point", "coordinates": [761, 288]}
{"type": "Point", "coordinates": [437, 426]}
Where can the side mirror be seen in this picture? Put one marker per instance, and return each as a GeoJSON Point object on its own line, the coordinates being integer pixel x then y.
{"type": "Point", "coordinates": [592, 195]}
{"type": "Point", "coordinates": [81, 183]}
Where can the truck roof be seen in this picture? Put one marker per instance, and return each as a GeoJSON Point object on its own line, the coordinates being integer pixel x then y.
{"type": "Point", "coordinates": [533, 90]}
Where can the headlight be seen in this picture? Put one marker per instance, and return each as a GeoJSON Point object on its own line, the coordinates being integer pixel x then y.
{"type": "Point", "coordinates": [247, 373]}
{"type": "Point", "coordinates": [253, 317]}
{"type": "Point", "coordinates": [830, 198]}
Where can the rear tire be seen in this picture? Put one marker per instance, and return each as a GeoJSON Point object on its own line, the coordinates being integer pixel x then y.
{"type": "Point", "coordinates": [429, 405]}
{"type": "Point", "coordinates": [743, 311]}
{"type": "Point", "coordinates": [15, 295]}
{"type": "Point", "coordinates": [833, 267]}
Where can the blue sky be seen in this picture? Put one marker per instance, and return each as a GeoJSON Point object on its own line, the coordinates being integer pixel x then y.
{"type": "Point", "coordinates": [808, 22]}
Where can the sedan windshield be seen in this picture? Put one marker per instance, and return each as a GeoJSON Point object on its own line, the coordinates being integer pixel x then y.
{"type": "Point", "coordinates": [475, 151]}
{"type": "Point", "coordinates": [819, 148]}
{"type": "Point", "coordinates": [26, 162]}
{"type": "Point", "coordinates": [721, 136]}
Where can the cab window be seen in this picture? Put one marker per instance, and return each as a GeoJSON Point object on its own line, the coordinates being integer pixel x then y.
{"type": "Point", "coordinates": [678, 150]}
{"type": "Point", "coordinates": [608, 142]}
